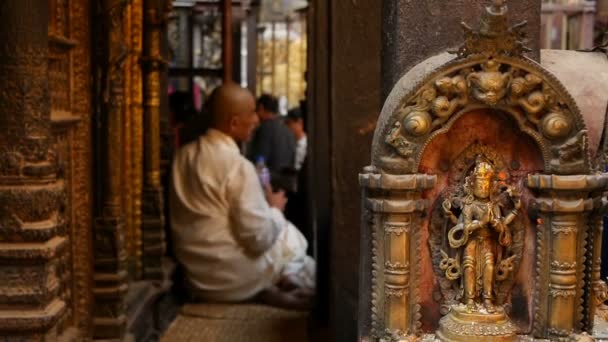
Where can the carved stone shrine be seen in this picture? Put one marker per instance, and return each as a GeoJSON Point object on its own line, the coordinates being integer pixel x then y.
{"type": "Point", "coordinates": [483, 204]}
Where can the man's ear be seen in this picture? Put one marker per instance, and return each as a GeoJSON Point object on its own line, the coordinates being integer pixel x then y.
{"type": "Point", "coordinates": [233, 122]}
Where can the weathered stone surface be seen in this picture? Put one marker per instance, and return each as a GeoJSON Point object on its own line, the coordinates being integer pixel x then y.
{"type": "Point", "coordinates": [413, 30]}
{"type": "Point", "coordinates": [590, 92]}
{"type": "Point", "coordinates": [355, 106]}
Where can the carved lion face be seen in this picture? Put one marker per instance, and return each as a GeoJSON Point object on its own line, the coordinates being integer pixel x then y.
{"type": "Point", "coordinates": [489, 87]}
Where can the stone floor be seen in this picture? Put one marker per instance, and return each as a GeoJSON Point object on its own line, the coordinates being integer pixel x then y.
{"type": "Point", "coordinates": [237, 323]}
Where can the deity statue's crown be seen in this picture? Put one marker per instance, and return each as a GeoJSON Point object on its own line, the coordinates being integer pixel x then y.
{"type": "Point", "coordinates": [483, 170]}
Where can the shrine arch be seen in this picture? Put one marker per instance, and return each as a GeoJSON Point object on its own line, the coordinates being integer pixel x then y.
{"type": "Point", "coordinates": [488, 74]}
{"type": "Point", "coordinates": [430, 97]}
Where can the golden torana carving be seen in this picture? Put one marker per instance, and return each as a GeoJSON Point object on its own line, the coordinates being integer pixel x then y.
{"type": "Point", "coordinates": [488, 74]}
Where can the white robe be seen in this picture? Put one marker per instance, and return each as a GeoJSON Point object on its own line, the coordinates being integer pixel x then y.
{"type": "Point", "coordinates": [230, 242]}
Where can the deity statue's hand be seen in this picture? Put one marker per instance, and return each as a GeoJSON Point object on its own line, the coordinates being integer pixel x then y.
{"type": "Point", "coordinates": [471, 227]}
{"type": "Point", "coordinates": [505, 237]}
{"type": "Point", "coordinates": [447, 207]}
{"type": "Point", "coordinates": [447, 211]}
{"type": "Point", "coordinates": [517, 203]}
{"type": "Point", "coordinates": [514, 195]}
{"type": "Point", "coordinates": [497, 224]}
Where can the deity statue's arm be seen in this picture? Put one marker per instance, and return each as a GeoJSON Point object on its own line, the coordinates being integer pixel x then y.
{"type": "Point", "coordinates": [467, 219]}
{"type": "Point", "coordinates": [447, 211]}
{"type": "Point", "coordinates": [510, 217]}
{"type": "Point", "coordinates": [516, 206]}
{"type": "Point", "coordinates": [501, 224]}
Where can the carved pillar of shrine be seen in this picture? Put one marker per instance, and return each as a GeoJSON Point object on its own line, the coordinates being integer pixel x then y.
{"type": "Point", "coordinates": [565, 236]}
{"type": "Point", "coordinates": [133, 131]}
{"type": "Point", "coordinates": [110, 255]}
{"type": "Point", "coordinates": [597, 290]}
{"type": "Point", "coordinates": [32, 198]}
{"type": "Point", "coordinates": [152, 200]}
{"type": "Point", "coordinates": [394, 207]}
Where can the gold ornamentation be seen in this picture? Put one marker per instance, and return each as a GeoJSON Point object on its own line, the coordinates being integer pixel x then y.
{"type": "Point", "coordinates": [396, 267]}
{"type": "Point", "coordinates": [489, 85]}
{"type": "Point", "coordinates": [449, 264]}
{"type": "Point", "coordinates": [490, 73]}
{"type": "Point", "coordinates": [494, 36]}
{"type": "Point", "coordinates": [137, 127]}
{"type": "Point", "coordinates": [481, 238]}
{"type": "Point", "coordinates": [127, 165]}
{"type": "Point", "coordinates": [463, 325]}
{"type": "Point", "coordinates": [564, 253]}
{"type": "Point", "coordinates": [556, 126]}
{"type": "Point", "coordinates": [485, 243]}
{"type": "Point", "coordinates": [395, 335]}
{"type": "Point", "coordinates": [399, 142]}
{"type": "Point", "coordinates": [561, 292]}
{"type": "Point", "coordinates": [397, 292]}
{"type": "Point", "coordinates": [562, 266]}
{"type": "Point", "coordinates": [417, 123]}
{"type": "Point", "coordinates": [153, 243]}
{"type": "Point", "coordinates": [600, 291]}
{"type": "Point", "coordinates": [533, 97]}
{"type": "Point", "coordinates": [397, 229]}
{"type": "Point", "coordinates": [80, 184]}
{"type": "Point", "coordinates": [395, 251]}
{"type": "Point", "coordinates": [110, 254]}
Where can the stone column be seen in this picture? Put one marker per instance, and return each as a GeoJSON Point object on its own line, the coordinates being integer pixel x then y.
{"type": "Point", "coordinates": [413, 30]}
{"type": "Point", "coordinates": [564, 205]}
{"type": "Point", "coordinates": [32, 198]}
{"type": "Point", "coordinates": [110, 256]}
{"type": "Point", "coordinates": [152, 202]}
{"type": "Point", "coordinates": [394, 208]}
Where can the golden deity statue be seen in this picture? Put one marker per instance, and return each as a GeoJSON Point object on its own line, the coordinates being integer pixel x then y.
{"type": "Point", "coordinates": [479, 240]}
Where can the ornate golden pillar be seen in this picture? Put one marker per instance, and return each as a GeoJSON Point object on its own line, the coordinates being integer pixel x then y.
{"type": "Point", "coordinates": [395, 208]}
{"type": "Point", "coordinates": [597, 290]}
{"type": "Point", "coordinates": [32, 224]}
{"type": "Point", "coordinates": [127, 165]}
{"type": "Point", "coordinates": [110, 257]}
{"type": "Point", "coordinates": [564, 204]}
{"type": "Point", "coordinates": [133, 131]}
{"type": "Point", "coordinates": [152, 201]}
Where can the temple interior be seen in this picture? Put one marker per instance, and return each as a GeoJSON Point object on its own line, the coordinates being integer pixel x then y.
{"type": "Point", "coordinates": [446, 177]}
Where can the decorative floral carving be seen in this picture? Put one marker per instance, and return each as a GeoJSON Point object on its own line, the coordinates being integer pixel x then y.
{"type": "Point", "coordinates": [395, 292]}
{"type": "Point", "coordinates": [396, 229]}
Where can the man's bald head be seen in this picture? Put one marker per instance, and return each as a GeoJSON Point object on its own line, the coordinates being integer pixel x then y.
{"type": "Point", "coordinates": [233, 111]}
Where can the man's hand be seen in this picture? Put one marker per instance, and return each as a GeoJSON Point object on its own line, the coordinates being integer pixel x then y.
{"type": "Point", "coordinates": [276, 199]}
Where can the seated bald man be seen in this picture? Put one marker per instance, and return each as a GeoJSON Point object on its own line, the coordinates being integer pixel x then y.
{"type": "Point", "coordinates": [230, 234]}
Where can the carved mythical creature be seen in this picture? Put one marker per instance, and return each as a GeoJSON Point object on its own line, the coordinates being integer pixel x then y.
{"type": "Point", "coordinates": [480, 237]}
{"type": "Point", "coordinates": [489, 85]}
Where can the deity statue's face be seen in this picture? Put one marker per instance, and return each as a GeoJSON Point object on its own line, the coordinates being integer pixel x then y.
{"type": "Point", "coordinates": [481, 187]}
